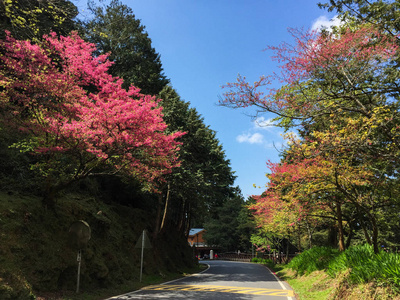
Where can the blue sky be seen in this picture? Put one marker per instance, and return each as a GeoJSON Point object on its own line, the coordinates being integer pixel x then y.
{"type": "Point", "coordinates": [206, 43]}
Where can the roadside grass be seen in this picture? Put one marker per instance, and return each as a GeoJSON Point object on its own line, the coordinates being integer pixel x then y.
{"type": "Point", "coordinates": [318, 285]}
{"type": "Point", "coordinates": [314, 286]}
{"type": "Point", "coordinates": [357, 273]}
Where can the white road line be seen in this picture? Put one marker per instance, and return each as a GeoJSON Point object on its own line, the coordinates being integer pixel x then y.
{"type": "Point", "coordinates": [280, 282]}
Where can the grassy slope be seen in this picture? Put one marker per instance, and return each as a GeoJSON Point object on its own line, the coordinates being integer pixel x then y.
{"type": "Point", "coordinates": [35, 253]}
{"type": "Point", "coordinates": [319, 286]}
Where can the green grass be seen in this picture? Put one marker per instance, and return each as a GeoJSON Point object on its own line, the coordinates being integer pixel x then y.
{"type": "Point", "coordinates": [317, 258]}
{"type": "Point", "coordinates": [314, 286]}
{"type": "Point", "coordinates": [319, 285]}
{"type": "Point", "coordinates": [357, 273]}
{"type": "Point", "coordinates": [366, 266]}
{"type": "Point", "coordinates": [268, 262]}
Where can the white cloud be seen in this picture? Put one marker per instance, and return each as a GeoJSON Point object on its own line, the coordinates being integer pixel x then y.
{"type": "Point", "coordinates": [261, 123]}
{"type": "Point", "coordinates": [324, 22]}
{"type": "Point", "coordinates": [255, 138]}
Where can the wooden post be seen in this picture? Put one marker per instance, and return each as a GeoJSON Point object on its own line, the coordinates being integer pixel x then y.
{"type": "Point", "coordinates": [141, 263]}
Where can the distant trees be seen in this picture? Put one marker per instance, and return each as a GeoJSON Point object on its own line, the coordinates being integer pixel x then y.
{"type": "Point", "coordinates": [229, 226]}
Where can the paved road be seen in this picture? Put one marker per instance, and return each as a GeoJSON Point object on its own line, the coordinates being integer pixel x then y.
{"type": "Point", "coordinates": [222, 280]}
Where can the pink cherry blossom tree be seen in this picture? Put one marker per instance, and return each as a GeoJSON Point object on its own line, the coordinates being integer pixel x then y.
{"type": "Point", "coordinates": [77, 118]}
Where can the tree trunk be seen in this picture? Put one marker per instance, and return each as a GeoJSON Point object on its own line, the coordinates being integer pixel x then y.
{"type": "Point", "coordinates": [182, 219]}
{"type": "Point", "coordinates": [158, 216]}
{"type": "Point", "coordinates": [187, 221]}
{"type": "Point", "coordinates": [48, 200]}
{"type": "Point", "coordinates": [349, 237]}
{"type": "Point", "coordinates": [50, 193]}
{"type": "Point", "coordinates": [340, 226]}
{"type": "Point", "coordinates": [366, 234]}
{"type": "Point", "coordinates": [310, 235]}
{"type": "Point", "coordinates": [287, 249]}
{"type": "Point", "coordinates": [299, 236]}
{"type": "Point", "coordinates": [375, 231]}
{"type": "Point", "coordinates": [163, 222]}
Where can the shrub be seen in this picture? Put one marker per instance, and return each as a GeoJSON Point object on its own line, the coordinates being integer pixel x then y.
{"type": "Point", "coordinates": [268, 262]}
{"type": "Point", "coordinates": [360, 259]}
{"type": "Point", "coordinates": [389, 267]}
{"type": "Point", "coordinates": [316, 258]}
{"type": "Point", "coordinates": [367, 266]}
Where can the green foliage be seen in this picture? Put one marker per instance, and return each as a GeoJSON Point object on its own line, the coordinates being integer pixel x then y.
{"type": "Point", "coordinates": [265, 261]}
{"type": "Point", "coordinates": [366, 266]}
{"type": "Point", "coordinates": [316, 258]}
{"type": "Point", "coordinates": [14, 287]}
{"type": "Point", "coordinates": [360, 259]}
{"type": "Point", "coordinates": [341, 91]}
{"type": "Point", "coordinates": [359, 263]}
{"type": "Point", "coordinates": [384, 14]}
{"type": "Point", "coordinates": [203, 180]}
{"type": "Point", "coordinates": [15, 172]}
{"type": "Point", "coordinates": [389, 266]}
{"type": "Point", "coordinates": [115, 29]}
{"type": "Point", "coordinates": [222, 227]}
{"type": "Point", "coordinates": [30, 19]}
{"type": "Point", "coordinates": [246, 227]}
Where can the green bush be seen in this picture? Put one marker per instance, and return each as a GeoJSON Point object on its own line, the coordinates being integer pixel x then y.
{"type": "Point", "coordinates": [316, 258]}
{"type": "Point", "coordinates": [389, 267]}
{"type": "Point", "coordinates": [364, 265]}
{"type": "Point", "coordinates": [14, 287]}
{"type": "Point", "coordinates": [360, 259]}
{"type": "Point", "coordinates": [367, 266]}
{"type": "Point", "coordinates": [268, 262]}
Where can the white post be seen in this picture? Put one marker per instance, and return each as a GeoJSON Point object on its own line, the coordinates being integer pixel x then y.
{"type": "Point", "coordinates": [79, 258]}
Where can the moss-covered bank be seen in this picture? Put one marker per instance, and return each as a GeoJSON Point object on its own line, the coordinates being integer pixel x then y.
{"type": "Point", "coordinates": [36, 258]}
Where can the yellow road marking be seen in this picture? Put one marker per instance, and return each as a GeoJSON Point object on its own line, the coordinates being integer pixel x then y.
{"type": "Point", "coordinates": [220, 289]}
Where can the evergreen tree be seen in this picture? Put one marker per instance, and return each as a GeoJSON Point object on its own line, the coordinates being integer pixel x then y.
{"type": "Point", "coordinates": [115, 29]}
{"type": "Point", "coordinates": [222, 229]}
{"type": "Point", "coordinates": [204, 178]}
{"type": "Point", "coordinates": [30, 19]}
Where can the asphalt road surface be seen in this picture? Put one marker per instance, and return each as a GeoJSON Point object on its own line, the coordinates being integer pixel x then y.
{"type": "Point", "coordinates": [222, 280]}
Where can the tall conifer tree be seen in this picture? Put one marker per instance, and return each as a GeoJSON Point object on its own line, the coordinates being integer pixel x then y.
{"type": "Point", "coordinates": [115, 29]}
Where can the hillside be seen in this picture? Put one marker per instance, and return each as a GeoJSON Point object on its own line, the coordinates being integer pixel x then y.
{"type": "Point", "coordinates": [36, 257]}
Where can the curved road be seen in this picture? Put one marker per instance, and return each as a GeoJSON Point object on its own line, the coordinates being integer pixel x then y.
{"type": "Point", "coordinates": [222, 280]}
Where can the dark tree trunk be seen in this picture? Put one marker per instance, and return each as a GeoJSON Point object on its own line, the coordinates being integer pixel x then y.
{"type": "Point", "coordinates": [165, 215]}
{"type": "Point", "coordinates": [349, 237]}
{"type": "Point", "coordinates": [375, 231]}
{"type": "Point", "coordinates": [340, 226]}
{"type": "Point", "coordinates": [158, 216]}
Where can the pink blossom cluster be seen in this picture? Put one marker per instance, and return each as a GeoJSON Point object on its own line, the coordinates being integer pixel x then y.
{"type": "Point", "coordinates": [60, 92]}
